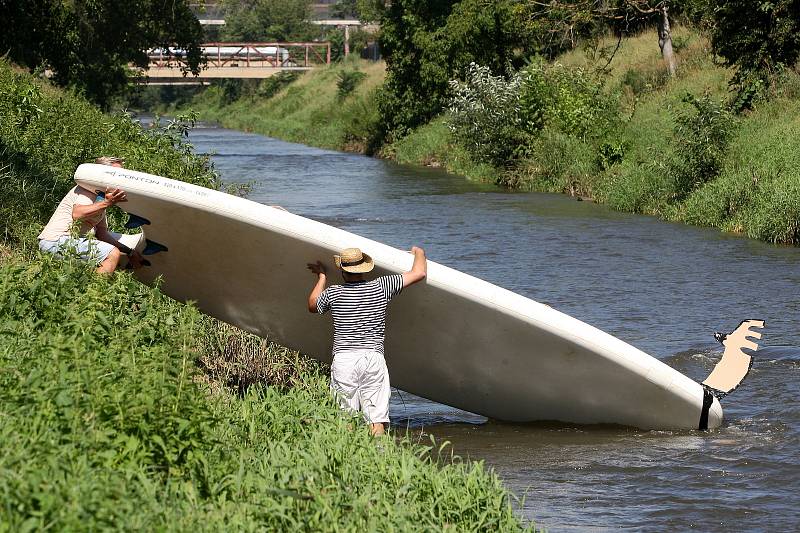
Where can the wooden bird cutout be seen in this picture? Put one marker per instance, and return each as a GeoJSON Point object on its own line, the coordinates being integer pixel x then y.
{"type": "Point", "coordinates": [735, 364]}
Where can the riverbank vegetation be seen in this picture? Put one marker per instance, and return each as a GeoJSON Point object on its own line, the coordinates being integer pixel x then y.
{"type": "Point", "coordinates": [331, 108]}
{"type": "Point", "coordinates": [124, 409]}
{"type": "Point", "coordinates": [647, 106]}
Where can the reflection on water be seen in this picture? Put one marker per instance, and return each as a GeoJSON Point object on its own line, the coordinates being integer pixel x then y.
{"type": "Point", "coordinates": [662, 287]}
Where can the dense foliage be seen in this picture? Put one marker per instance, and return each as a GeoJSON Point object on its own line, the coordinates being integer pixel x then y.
{"type": "Point", "coordinates": [757, 37]}
{"type": "Point", "coordinates": [88, 45]}
{"type": "Point", "coordinates": [267, 20]}
{"type": "Point", "coordinates": [426, 44]}
{"type": "Point", "coordinates": [107, 425]}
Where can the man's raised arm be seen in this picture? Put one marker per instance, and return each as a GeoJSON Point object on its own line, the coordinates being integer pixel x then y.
{"type": "Point", "coordinates": [112, 196]}
{"type": "Point", "coordinates": [418, 270]}
{"type": "Point", "coordinates": [319, 270]}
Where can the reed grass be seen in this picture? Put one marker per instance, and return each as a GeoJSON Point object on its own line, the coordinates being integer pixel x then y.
{"type": "Point", "coordinates": [432, 145]}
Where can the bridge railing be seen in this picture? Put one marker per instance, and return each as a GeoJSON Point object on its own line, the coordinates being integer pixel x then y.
{"type": "Point", "coordinates": [271, 55]}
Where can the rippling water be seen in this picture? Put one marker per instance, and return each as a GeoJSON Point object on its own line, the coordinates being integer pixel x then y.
{"type": "Point", "coordinates": [662, 287]}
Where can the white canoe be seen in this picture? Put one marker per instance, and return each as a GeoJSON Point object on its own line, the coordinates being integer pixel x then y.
{"type": "Point", "coordinates": [454, 338]}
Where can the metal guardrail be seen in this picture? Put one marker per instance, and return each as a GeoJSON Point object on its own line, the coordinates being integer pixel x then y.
{"type": "Point", "coordinates": [249, 55]}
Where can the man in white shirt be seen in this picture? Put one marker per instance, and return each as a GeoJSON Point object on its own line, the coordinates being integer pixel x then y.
{"type": "Point", "coordinates": [89, 209]}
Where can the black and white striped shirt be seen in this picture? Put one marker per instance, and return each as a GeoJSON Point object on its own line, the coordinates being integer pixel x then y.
{"type": "Point", "coordinates": [359, 312]}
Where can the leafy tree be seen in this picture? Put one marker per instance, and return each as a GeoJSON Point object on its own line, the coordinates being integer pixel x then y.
{"type": "Point", "coordinates": [370, 10]}
{"type": "Point", "coordinates": [268, 20]}
{"type": "Point", "coordinates": [363, 10]}
{"type": "Point", "coordinates": [89, 44]}
{"type": "Point", "coordinates": [757, 37]}
{"type": "Point", "coordinates": [345, 9]}
{"type": "Point", "coordinates": [426, 44]}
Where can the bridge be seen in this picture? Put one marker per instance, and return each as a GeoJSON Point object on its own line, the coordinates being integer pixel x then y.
{"type": "Point", "coordinates": [235, 60]}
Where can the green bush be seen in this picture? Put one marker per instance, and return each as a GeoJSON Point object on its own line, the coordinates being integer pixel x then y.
{"type": "Point", "coordinates": [347, 81]}
{"type": "Point", "coordinates": [702, 135]}
{"type": "Point", "coordinates": [578, 103]}
{"type": "Point", "coordinates": [485, 115]}
{"type": "Point", "coordinates": [271, 86]}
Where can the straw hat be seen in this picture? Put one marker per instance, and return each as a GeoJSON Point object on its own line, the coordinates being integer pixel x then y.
{"type": "Point", "coordinates": [353, 260]}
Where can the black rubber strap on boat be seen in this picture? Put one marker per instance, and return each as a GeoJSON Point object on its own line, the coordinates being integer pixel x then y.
{"type": "Point", "coordinates": [708, 400]}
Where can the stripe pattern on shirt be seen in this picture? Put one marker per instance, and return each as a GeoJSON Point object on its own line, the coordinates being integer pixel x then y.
{"type": "Point", "coordinates": [359, 312]}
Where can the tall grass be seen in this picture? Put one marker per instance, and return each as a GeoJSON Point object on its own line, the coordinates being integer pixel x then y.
{"type": "Point", "coordinates": [123, 409]}
{"type": "Point", "coordinates": [107, 423]}
{"type": "Point", "coordinates": [758, 189]}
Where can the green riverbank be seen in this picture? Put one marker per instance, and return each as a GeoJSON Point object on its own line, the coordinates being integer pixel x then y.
{"type": "Point", "coordinates": [618, 130]}
{"type": "Point", "coordinates": [123, 409]}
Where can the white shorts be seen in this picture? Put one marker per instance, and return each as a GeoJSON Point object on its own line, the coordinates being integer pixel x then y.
{"type": "Point", "coordinates": [89, 250]}
{"type": "Point", "coordinates": [360, 382]}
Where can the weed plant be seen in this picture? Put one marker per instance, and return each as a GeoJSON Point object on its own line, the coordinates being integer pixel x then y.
{"type": "Point", "coordinates": [485, 115]}
{"type": "Point", "coordinates": [347, 81]}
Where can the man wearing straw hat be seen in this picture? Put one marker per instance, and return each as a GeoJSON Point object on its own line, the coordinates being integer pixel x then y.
{"type": "Point", "coordinates": [359, 377]}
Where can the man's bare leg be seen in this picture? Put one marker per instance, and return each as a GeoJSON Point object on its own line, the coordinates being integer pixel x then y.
{"type": "Point", "coordinates": [109, 265]}
{"type": "Point", "coordinates": [376, 430]}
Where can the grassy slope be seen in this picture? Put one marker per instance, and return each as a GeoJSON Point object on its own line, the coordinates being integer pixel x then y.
{"type": "Point", "coordinates": [756, 192]}
{"type": "Point", "coordinates": [124, 409]}
{"type": "Point", "coordinates": [307, 111]}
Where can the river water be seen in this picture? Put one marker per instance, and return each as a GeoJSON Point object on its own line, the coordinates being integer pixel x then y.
{"type": "Point", "coordinates": [662, 287]}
